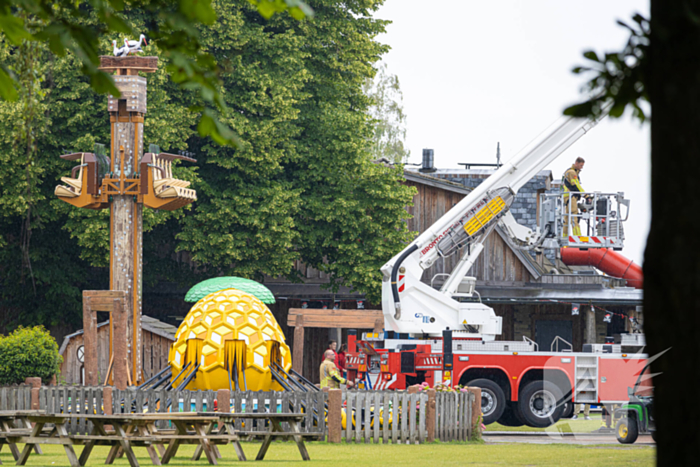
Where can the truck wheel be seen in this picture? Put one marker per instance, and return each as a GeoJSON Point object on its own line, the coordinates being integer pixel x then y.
{"type": "Point", "coordinates": [510, 416]}
{"type": "Point", "coordinates": [568, 410]}
{"type": "Point", "coordinates": [537, 403]}
{"type": "Point", "coordinates": [626, 430]}
{"type": "Point", "coordinates": [493, 400]}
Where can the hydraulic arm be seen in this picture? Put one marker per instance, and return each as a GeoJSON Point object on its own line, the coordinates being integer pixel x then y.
{"type": "Point", "coordinates": [411, 306]}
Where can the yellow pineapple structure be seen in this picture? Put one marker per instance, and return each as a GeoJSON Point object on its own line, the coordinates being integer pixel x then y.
{"type": "Point", "coordinates": [226, 326]}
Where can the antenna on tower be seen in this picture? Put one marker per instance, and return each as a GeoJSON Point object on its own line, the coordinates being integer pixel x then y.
{"type": "Point", "coordinates": [498, 154]}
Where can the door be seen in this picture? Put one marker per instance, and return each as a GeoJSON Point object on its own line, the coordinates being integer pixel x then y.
{"type": "Point", "coordinates": [547, 330]}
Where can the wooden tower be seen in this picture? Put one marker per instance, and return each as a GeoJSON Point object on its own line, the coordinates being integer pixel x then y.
{"type": "Point", "coordinates": [124, 182]}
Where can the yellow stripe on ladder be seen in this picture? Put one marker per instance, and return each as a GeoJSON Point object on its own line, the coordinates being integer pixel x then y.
{"type": "Point", "coordinates": [485, 214]}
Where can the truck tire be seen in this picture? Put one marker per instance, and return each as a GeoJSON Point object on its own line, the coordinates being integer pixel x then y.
{"type": "Point", "coordinates": [510, 416]}
{"type": "Point", "coordinates": [568, 410]}
{"type": "Point", "coordinates": [537, 404]}
{"type": "Point", "coordinates": [493, 400]}
{"type": "Point", "coordinates": [626, 430]}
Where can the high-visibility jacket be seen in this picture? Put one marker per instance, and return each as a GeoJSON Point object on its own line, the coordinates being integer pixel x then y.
{"type": "Point", "coordinates": [571, 181]}
{"type": "Point", "coordinates": [330, 377]}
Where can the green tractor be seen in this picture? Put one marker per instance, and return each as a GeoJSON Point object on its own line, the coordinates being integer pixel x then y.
{"type": "Point", "coordinates": [637, 416]}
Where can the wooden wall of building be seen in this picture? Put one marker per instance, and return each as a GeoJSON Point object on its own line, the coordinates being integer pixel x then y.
{"type": "Point", "coordinates": [155, 353]}
{"type": "Point", "coordinates": [499, 264]}
{"type": "Point", "coordinates": [430, 203]}
{"type": "Point", "coordinates": [155, 356]}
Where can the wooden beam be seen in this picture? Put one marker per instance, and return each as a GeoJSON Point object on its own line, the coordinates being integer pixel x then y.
{"type": "Point", "coordinates": [89, 341]}
{"type": "Point", "coordinates": [315, 318]}
{"type": "Point", "coordinates": [121, 357]}
{"type": "Point", "coordinates": [298, 351]}
{"type": "Point", "coordinates": [103, 300]}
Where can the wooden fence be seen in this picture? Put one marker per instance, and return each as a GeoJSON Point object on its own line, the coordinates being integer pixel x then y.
{"type": "Point", "coordinates": [367, 416]}
{"type": "Point", "coordinates": [84, 400]}
{"type": "Point", "coordinates": [15, 398]}
{"type": "Point", "coordinates": [454, 415]}
{"type": "Point", "coordinates": [403, 418]}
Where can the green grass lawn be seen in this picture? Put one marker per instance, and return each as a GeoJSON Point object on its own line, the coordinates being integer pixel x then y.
{"type": "Point", "coordinates": [286, 453]}
{"type": "Point", "coordinates": [562, 426]}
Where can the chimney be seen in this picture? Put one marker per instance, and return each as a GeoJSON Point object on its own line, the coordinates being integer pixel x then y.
{"type": "Point", "coordinates": [428, 160]}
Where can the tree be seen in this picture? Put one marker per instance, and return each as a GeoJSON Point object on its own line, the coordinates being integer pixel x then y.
{"type": "Point", "coordinates": [63, 27]}
{"type": "Point", "coordinates": [668, 73]}
{"type": "Point", "coordinates": [300, 185]}
{"type": "Point", "coordinates": [389, 118]}
{"type": "Point", "coordinates": [351, 219]}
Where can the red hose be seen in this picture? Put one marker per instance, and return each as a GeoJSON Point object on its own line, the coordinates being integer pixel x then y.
{"type": "Point", "coordinates": [607, 260]}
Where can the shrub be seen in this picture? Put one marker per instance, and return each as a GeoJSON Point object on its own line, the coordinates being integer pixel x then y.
{"type": "Point", "coordinates": [28, 352]}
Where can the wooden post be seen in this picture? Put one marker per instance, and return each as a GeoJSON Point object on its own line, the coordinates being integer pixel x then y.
{"type": "Point", "coordinates": [430, 415]}
{"type": "Point", "coordinates": [126, 116]}
{"type": "Point", "coordinates": [126, 235]}
{"type": "Point", "coordinates": [34, 382]}
{"type": "Point", "coordinates": [378, 325]}
{"type": "Point", "coordinates": [335, 422]}
{"type": "Point", "coordinates": [35, 398]}
{"type": "Point", "coordinates": [223, 400]}
{"type": "Point", "coordinates": [107, 400]}
{"type": "Point", "coordinates": [590, 334]}
{"type": "Point", "coordinates": [89, 341]}
{"type": "Point", "coordinates": [476, 412]}
{"type": "Point", "coordinates": [298, 351]}
{"type": "Point", "coordinates": [120, 319]}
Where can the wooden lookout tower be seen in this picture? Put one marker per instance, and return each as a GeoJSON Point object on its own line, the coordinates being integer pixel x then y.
{"type": "Point", "coordinates": [124, 182]}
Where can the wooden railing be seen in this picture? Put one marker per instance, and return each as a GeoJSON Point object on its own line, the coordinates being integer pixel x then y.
{"type": "Point", "coordinates": [399, 417]}
{"type": "Point", "coordinates": [15, 398]}
{"type": "Point", "coordinates": [402, 417]}
{"type": "Point", "coordinates": [107, 400]}
{"type": "Point", "coordinates": [393, 416]}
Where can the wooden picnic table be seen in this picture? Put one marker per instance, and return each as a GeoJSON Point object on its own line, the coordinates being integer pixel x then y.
{"type": "Point", "coordinates": [14, 422]}
{"type": "Point", "coordinates": [130, 430]}
{"type": "Point", "coordinates": [98, 436]}
{"type": "Point", "coordinates": [275, 431]}
{"type": "Point", "coordinates": [192, 428]}
{"type": "Point", "coordinates": [127, 431]}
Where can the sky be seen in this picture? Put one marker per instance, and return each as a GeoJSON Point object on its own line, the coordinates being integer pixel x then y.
{"type": "Point", "coordinates": [475, 73]}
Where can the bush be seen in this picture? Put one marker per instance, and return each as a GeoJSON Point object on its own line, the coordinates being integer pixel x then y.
{"type": "Point", "coordinates": [28, 352]}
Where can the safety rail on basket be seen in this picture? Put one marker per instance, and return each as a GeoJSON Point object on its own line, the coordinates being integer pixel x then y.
{"type": "Point", "coordinates": [583, 220]}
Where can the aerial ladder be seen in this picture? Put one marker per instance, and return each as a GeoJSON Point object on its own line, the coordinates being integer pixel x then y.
{"type": "Point", "coordinates": [414, 307]}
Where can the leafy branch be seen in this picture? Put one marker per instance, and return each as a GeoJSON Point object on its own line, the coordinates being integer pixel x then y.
{"type": "Point", "coordinates": [618, 77]}
{"type": "Point", "coordinates": [66, 29]}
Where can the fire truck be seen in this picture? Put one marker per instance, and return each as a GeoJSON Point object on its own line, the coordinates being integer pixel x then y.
{"type": "Point", "coordinates": [447, 336]}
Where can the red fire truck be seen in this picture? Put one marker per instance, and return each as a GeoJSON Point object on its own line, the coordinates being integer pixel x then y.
{"type": "Point", "coordinates": [520, 385]}
{"type": "Point", "coordinates": [448, 336]}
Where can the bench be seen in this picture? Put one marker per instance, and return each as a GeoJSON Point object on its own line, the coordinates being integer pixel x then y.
{"type": "Point", "coordinates": [160, 189]}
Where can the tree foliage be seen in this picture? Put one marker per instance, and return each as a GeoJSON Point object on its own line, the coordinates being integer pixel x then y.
{"type": "Point", "coordinates": [619, 79]}
{"type": "Point", "coordinates": [299, 187]}
{"type": "Point", "coordinates": [77, 26]}
{"type": "Point", "coordinates": [389, 118]}
{"type": "Point", "coordinates": [28, 353]}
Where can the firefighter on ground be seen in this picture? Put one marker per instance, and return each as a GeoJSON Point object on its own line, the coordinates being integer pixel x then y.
{"type": "Point", "coordinates": [330, 377]}
{"type": "Point", "coordinates": [571, 183]}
